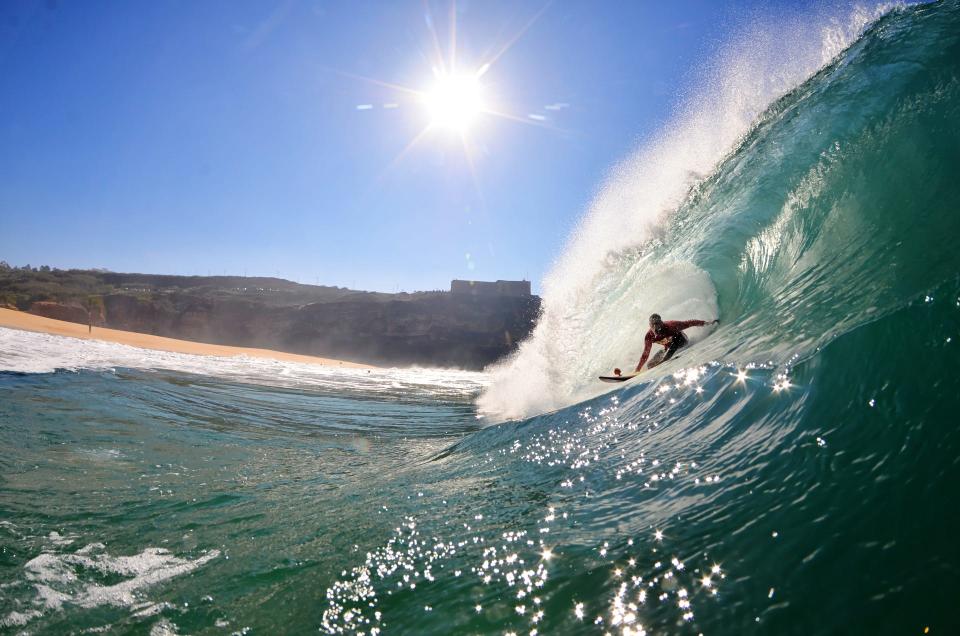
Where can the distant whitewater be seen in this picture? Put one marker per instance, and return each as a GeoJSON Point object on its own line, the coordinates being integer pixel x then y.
{"type": "Point", "coordinates": [773, 200]}
{"type": "Point", "coordinates": [29, 352]}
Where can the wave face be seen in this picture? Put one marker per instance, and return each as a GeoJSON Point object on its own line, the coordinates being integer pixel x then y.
{"type": "Point", "coordinates": [795, 201]}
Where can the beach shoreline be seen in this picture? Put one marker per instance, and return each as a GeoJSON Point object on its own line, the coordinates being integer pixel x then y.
{"type": "Point", "coordinates": [24, 321]}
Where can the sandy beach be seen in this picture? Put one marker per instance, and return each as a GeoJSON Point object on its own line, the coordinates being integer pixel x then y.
{"type": "Point", "coordinates": [29, 322]}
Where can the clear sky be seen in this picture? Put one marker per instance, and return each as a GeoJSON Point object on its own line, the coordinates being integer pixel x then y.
{"type": "Point", "coordinates": [288, 138]}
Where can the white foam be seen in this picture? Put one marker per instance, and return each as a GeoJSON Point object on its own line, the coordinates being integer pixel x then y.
{"type": "Point", "coordinates": [18, 619]}
{"type": "Point", "coordinates": [163, 627]}
{"type": "Point", "coordinates": [59, 578]}
{"type": "Point", "coordinates": [144, 610]}
{"type": "Point", "coordinates": [597, 294]}
{"type": "Point", "coordinates": [30, 352]}
{"type": "Point", "coordinates": [58, 539]}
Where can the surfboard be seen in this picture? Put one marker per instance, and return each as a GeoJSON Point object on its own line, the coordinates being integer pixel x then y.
{"type": "Point", "coordinates": [627, 376]}
{"type": "Point", "coordinates": [618, 378]}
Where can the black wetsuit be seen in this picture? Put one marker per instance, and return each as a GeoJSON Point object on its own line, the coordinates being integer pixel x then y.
{"type": "Point", "coordinates": [670, 336]}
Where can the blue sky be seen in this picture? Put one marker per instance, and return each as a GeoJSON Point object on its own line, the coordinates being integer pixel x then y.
{"type": "Point", "coordinates": [225, 137]}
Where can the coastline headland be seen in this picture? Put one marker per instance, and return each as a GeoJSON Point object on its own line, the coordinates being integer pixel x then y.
{"type": "Point", "coordinates": [458, 328]}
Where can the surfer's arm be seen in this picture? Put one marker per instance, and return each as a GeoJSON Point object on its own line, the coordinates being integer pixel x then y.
{"type": "Point", "coordinates": [686, 324]}
{"type": "Point", "coordinates": [648, 342]}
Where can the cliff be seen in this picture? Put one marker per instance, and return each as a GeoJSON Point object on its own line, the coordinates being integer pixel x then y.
{"type": "Point", "coordinates": [59, 311]}
{"type": "Point", "coordinates": [426, 329]}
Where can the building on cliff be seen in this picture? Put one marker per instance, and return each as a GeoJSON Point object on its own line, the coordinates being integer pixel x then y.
{"type": "Point", "coordinates": [514, 288]}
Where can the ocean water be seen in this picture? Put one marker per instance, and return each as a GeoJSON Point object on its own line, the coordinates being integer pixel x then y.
{"type": "Point", "coordinates": [795, 471]}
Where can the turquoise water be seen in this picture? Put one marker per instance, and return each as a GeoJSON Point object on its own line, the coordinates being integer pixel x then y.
{"type": "Point", "coordinates": [794, 472]}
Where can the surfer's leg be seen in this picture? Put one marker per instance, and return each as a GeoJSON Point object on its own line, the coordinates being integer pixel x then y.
{"type": "Point", "coordinates": [675, 345]}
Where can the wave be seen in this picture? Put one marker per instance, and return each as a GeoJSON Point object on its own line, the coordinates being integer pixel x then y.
{"type": "Point", "coordinates": [803, 190]}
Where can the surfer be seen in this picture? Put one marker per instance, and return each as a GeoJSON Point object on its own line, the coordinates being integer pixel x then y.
{"type": "Point", "coordinates": [668, 334]}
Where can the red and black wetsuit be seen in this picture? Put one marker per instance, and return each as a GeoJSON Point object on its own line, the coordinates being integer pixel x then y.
{"type": "Point", "coordinates": [670, 336]}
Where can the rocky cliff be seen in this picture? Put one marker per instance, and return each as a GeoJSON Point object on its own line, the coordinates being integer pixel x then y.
{"type": "Point", "coordinates": [59, 311]}
{"type": "Point", "coordinates": [426, 329]}
{"type": "Point", "coordinates": [429, 330]}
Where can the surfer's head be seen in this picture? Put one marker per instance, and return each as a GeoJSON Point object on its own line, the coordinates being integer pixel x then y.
{"type": "Point", "coordinates": [655, 321]}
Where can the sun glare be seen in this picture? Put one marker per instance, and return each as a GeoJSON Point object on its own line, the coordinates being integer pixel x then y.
{"type": "Point", "coordinates": [455, 101]}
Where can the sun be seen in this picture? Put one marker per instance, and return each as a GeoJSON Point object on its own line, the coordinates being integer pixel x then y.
{"type": "Point", "coordinates": [455, 101]}
{"type": "Point", "coordinates": [460, 96]}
